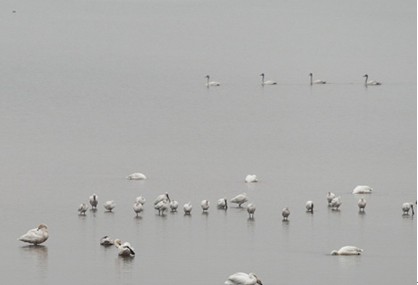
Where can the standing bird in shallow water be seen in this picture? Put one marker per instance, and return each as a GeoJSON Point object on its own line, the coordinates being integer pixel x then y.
{"type": "Point", "coordinates": [309, 206]}
{"type": "Point", "coordinates": [174, 205]}
{"type": "Point", "coordinates": [205, 205]}
{"type": "Point", "coordinates": [162, 197]}
{"type": "Point", "coordinates": [93, 199]}
{"type": "Point", "coordinates": [406, 207]}
{"type": "Point", "coordinates": [187, 208]}
{"type": "Point", "coordinates": [336, 203]}
{"type": "Point", "coordinates": [109, 205]}
{"type": "Point", "coordinates": [240, 199]}
{"type": "Point", "coordinates": [330, 196]}
{"type": "Point", "coordinates": [285, 214]}
{"type": "Point", "coordinates": [347, 250]}
{"type": "Point", "coordinates": [211, 83]}
{"type": "Point", "coordinates": [162, 206]}
{"type": "Point", "coordinates": [222, 203]}
{"type": "Point", "coordinates": [241, 278]}
{"type": "Point", "coordinates": [124, 249]}
{"type": "Point", "coordinates": [82, 208]}
{"type": "Point", "coordinates": [36, 236]}
{"type": "Point", "coordinates": [140, 199]}
{"type": "Point", "coordinates": [251, 209]}
{"type": "Point", "coordinates": [138, 208]}
{"type": "Point", "coordinates": [361, 204]}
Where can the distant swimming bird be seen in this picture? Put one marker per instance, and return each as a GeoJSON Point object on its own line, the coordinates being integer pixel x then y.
{"type": "Point", "coordinates": [138, 208]}
{"type": "Point", "coordinates": [251, 178]}
{"type": "Point", "coordinates": [162, 206]}
{"type": "Point", "coordinates": [330, 196]}
{"type": "Point", "coordinates": [93, 199]}
{"type": "Point", "coordinates": [336, 203]}
{"type": "Point", "coordinates": [251, 209]}
{"type": "Point", "coordinates": [187, 208]}
{"type": "Point", "coordinates": [140, 199]}
{"type": "Point", "coordinates": [211, 83]}
{"type": "Point", "coordinates": [309, 206]}
{"type": "Point", "coordinates": [268, 82]}
{"type": "Point", "coordinates": [362, 189]}
{"type": "Point", "coordinates": [106, 241]}
{"type": "Point", "coordinates": [205, 205]}
{"type": "Point", "coordinates": [83, 208]}
{"type": "Point", "coordinates": [222, 203]}
{"type": "Point", "coordinates": [285, 213]}
{"type": "Point", "coordinates": [316, 81]}
{"type": "Point", "coordinates": [347, 250]}
{"type": "Point", "coordinates": [240, 199]}
{"type": "Point", "coordinates": [136, 176]}
{"type": "Point", "coordinates": [36, 236]}
{"type": "Point", "coordinates": [241, 278]}
{"type": "Point", "coordinates": [162, 197]}
{"type": "Point", "coordinates": [361, 204]}
{"type": "Point", "coordinates": [174, 205]}
{"type": "Point", "coordinates": [406, 207]}
{"type": "Point", "coordinates": [371, 82]}
{"type": "Point", "coordinates": [109, 205]}
{"type": "Point", "coordinates": [124, 249]}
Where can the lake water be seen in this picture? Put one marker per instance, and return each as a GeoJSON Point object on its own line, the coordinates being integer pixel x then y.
{"type": "Point", "coordinates": [92, 91]}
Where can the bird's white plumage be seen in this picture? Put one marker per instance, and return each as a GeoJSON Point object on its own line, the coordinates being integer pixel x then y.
{"type": "Point", "coordinates": [318, 81]}
{"type": "Point", "coordinates": [93, 199]}
{"type": "Point", "coordinates": [136, 176]}
{"type": "Point", "coordinates": [187, 208]}
{"type": "Point", "coordinates": [266, 82]}
{"type": "Point", "coordinates": [222, 203]}
{"type": "Point", "coordinates": [240, 199]}
{"type": "Point", "coordinates": [251, 178]}
{"type": "Point", "coordinates": [109, 205]}
{"type": "Point", "coordinates": [241, 278]}
{"type": "Point", "coordinates": [83, 208]}
{"type": "Point", "coordinates": [362, 189]}
{"type": "Point", "coordinates": [106, 241]}
{"type": "Point", "coordinates": [362, 204]}
{"type": "Point", "coordinates": [368, 82]}
{"type": "Point", "coordinates": [330, 196]}
{"type": "Point", "coordinates": [309, 206]}
{"type": "Point", "coordinates": [124, 249]}
{"type": "Point", "coordinates": [251, 210]}
{"type": "Point", "coordinates": [211, 83]}
{"type": "Point", "coordinates": [36, 236]}
{"type": "Point", "coordinates": [138, 207]}
{"type": "Point", "coordinates": [347, 250]}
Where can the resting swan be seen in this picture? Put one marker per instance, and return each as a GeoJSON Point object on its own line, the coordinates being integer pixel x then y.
{"type": "Point", "coordinates": [347, 250]}
{"type": "Point", "coordinates": [36, 236]}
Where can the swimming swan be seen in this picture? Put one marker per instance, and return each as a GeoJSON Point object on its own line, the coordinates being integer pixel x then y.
{"type": "Point", "coordinates": [36, 236]}
{"type": "Point", "coordinates": [371, 82]}
{"type": "Point", "coordinates": [136, 176]}
{"type": "Point", "coordinates": [241, 278]}
{"type": "Point", "coordinates": [268, 82]}
{"type": "Point", "coordinates": [362, 189]}
{"type": "Point", "coordinates": [316, 81]}
{"type": "Point", "coordinates": [347, 250]}
{"type": "Point", "coordinates": [250, 178]}
{"type": "Point", "coordinates": [211, 83]}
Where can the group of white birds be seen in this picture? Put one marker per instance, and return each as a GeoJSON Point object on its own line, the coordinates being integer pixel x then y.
{"type": "Point", "coordinates": [163, 203]}
{"type": "Point", "coordinates": [367, 82]}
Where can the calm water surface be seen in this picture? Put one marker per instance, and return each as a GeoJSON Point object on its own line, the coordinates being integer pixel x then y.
{"type": "Point", "coordinates": [94, 90]}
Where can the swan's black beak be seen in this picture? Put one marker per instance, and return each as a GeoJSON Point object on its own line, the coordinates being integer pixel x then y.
{"type": "Point", "coordinates": [259, 282]}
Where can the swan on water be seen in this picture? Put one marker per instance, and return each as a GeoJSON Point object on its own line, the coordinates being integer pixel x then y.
{"type": "Point", "coordinates": [36, 236]}
{"type": "Point", "coordinates": [162, 197]}
{"type": "Point", "coordinates": [336, 203]}
{"type": "Point", "coordinates": [140, 199]}
{"type": "Point", "coordinates": [251, 209]}
{"type": "Point", "coordinates": [205, 205]}
{"type": "Point", "coordinates": [285, 214]}
{"type": "Point", "coordinates": [309, 206]}
{"type": "Point", "coordinates": [347, 250]}
{"type": "Point", "coordinates": [361, 204]}
{"type": "Point", "coordinates": [251, 178]}
{"type": "Point", "coordinates": [174, 205]}
{"type": "Point", "coordinates": [211, 83]}
{"type": "Point", "coordinates": [371, 82]}
{"type": "Point", "coordinates": [93, 199]}
{"type": "Point", "coordinates": [241, 278]}
{"type": "Point", "coordinates": [406, 207]}
{"type": "Point", "coordinates": [162, 206]}
{"type": "Point", "coordinates": [222, 203]}
{"type": "Point", "coordinates": [362, 189]}
{"type": "Point", "coordinates": [266, 82]}
{"type": "Point", "coordinates": [136, 176]}
{"type": "Point", "coordinates": [138, 208]}
{"type": "Point", "coordinates": [106, 241]}
{"type": "Point", "coordinates": [83, 208]}
{"type": "Point", "coordinates": [109, 205]}
{"type": "Point", "coordinates": [124, 249]}
{"type": "Point", "coordinates": [318, 81]}
{"type": "Point", "coordinates": [187, 208]}
{"type": "Point", "coordinates": [330, 196]}
{"type": "Point", "coordinates": [240, 199]}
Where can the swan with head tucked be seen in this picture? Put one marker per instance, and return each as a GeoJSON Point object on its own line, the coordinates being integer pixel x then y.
{"type": "Point", "coordinates": [106, 241]}
{"type": "Point", "coordinates": [187, 208]}
{"type": "Point", "coordinates": [162, 206]}
{"type": "Point", "coordinates": [93, 199]}
{"type": "Point", "coordinates": [140, 199]}
{"type": "Point", "coordinates": [136, 176]}
{"type": "Point", "coordinates": [241, 278]}
{"type": "Point", "coordinates": [205, 205]}
{"type": "Point", "coordinates": [362, 189]}
{"type": "Point", "coordinates": [82, 208]}
{"type": "Point", "coordinates": [251, 178]}
{"type": "Point", "coordinates": [285, 214]}
{"type": "Point", "coordinates": [347, 250]}
{"type": "Point", "coordinates": [162, 197]}
{"type": "Point", "coordinates": [240, 199]}
{"type": "Point", "coordinates": [406, 207]}
{"type": "Point", "coordinates": [330, 196]}
{"type": "Point", "coordinates": [336, 203]}
{"type": "Point", "coordinates": [124, 249]}
{"type": "Point", "coordinates": [251, 210]}
{"type": "Point", "coordinates": [36, 236]}
{"type": "Point", "coordinates": [222, 203]}
{"type": "Point", "coordinates": [174, 205]}
{"type": "Point", "coordinates": [368, 82]}
{"type": "Point", "coordinates": [361, 204]}
{"type": "Point", "coordinates": [266, 82]}
{"type": "Point", "coordinates": [138, 208]}
{"type": "Point", "coordinates": [309, 206]}
{"type": "Point", "coordinates": [109, 205]}
{"type": "Point", "coordinates": [318, 81]}
{"type": "Point", "coordinates": [211, 83]}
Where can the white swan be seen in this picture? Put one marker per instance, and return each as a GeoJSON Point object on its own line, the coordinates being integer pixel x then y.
{"type": "Point", "coordinates": [371, 82]}
{"type": "Point", "coordinates": [222, 203]}
{"type": "Point", "coordinates": [330, 196]}
{"type": "Point", "coordinates": [361, 204]}
{"type": "Point", "coordinates": [211, 83]}
{"type": "Point", "coordinates": [347, 250]}
{"type": "Point", "coordinates": [138, 208]}
{"type": "Point", "coordinates": [83, 208]}
{"type": "Point", "coordinates": [187, 208]}
{"type": "Point", "coordinates": [285, 213]}
{"type": "Point", "coordinates": [336, 203]}
{"type": "Point", "coordinates": [109, 205]}
{"type": "Point", "coordinates": [162, 197]}
{"type": "Point", "coordinates": [362, 189]}
{"type": "Point", "coordinates": [36, 236]}
{"type": "Point", "coordinates": [162, 206]}
{"type": "Point", "coordinates": [309, 206]}
{"type": "Point", "coordinates": [406, 207]}
{"type": "Point", "coordinates": [240, 199]}
{"type": "Point", "coordinates": [106, 241]}
{"type": "Point", "coordinates": [136, 176]}
{"type": "Point", "coordinates": [251, 209]}
{"type": "Point", "coordinates": [140, 199]}
{"type": "Point", "coordinates": [124, 249]}
{"type": "Point", "coordinates": [251, 178]}
{"type": "Point", "coordinates": [205, 205]}
{"type": "Point", "coordinates": [93, 199]}
{"type": "Point", "coordinates": [241, 278]}
{"type": "Point", "coordinates": [266, 82]}
{"type": "Point", "coordinates": [316, 81]}
{"type": "Point", "coordinates": [174, 205]}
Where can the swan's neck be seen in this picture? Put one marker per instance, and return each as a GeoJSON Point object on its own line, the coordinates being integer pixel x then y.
{"type": "Point", "coordinates": [367, 78]}
{"type": "Point", "coordinates": [262, 79]}
{"type": "Point", "coordinates": [310, 75]}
